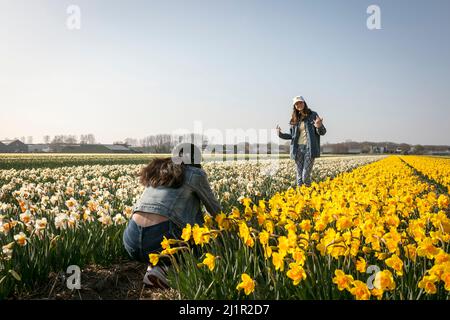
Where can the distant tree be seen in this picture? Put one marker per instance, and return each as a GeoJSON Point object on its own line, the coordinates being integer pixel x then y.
{"type": "Point", "coordinates": [70, 139]}
{"type": "Point", "coordinates": [46, 139]}
{"type": "Point", "coordinates": [145, 142]}
{"type": "Point", "coordinates": [160, 143]}
{"type": "Point", "coordinates": [83, 139]}
{"type": "Point", "coordinates": [58, 139]}
{"type": "Point", "coordinates": [131, 142]}
{"type": "Point", "coordinates": [163, 143]}
{"type": "Point", "coordinates": [29, 140]}
{"type": "Point", "coordinates": [196, 138]}
{"type": "Point", "coordinates": [90, 138]}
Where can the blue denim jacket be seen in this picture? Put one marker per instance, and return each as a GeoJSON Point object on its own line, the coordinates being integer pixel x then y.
{"type": "Point", "coordinates": [312, 133]}
{"type": "Point", "coordinates": [181, 205]}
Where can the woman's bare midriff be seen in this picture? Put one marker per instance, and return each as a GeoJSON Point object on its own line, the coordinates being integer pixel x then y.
{"type": "Point", "coordinates": [146, 219]}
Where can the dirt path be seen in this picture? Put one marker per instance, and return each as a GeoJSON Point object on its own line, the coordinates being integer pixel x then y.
{"type": "Point", "coordinates": [118, 281]}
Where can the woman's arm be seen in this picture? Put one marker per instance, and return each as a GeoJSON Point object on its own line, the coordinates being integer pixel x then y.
{"type": "Point", "coordinates": [320, 128]}
{"type": "Point", "coordinates": [206, 195]}
{"type": "Point", "coordinates": [285, 136]}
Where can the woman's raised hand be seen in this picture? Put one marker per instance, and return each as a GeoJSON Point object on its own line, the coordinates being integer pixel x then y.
{"type": "Point", "coordinates": [278, 129]}
{"type": "Point", "coordinates": [318, 122]}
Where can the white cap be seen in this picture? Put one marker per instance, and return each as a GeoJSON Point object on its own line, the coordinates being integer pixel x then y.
{"type": "Point", "coordinates": [296, 99]}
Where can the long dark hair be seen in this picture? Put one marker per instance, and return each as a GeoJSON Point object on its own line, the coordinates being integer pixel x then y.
{"type": "Point", "coordinates": [298, 116]}
{"type": "Point", "coordinates": [162, 172]}
{"type": "Point", "coordinates": [169, 172]}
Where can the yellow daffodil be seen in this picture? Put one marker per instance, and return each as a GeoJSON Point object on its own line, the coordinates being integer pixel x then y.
{"type": "Point", "coordinates": [305, 225]}
{"type": "Point", "coordinates": [209, 261]}
{"type": "Point", "coordinates": [361, 265]}
{"type": "Point", "coordinates": [395, 263]}
{"type": "Point", "coordinates": [384, 280]}
{"type": "Point", "coordinates": [278, 261]}
{"type": "Point", "coordinates": [165, 244]}
{"type": "Point", "coordinates": [428, 284]}
{"type": "Point", "coordinates": [248, 284]}
{"type": "Point", "coordinates": [342, 280]}
{"type": "Point", "coordinates": [296, 273]}
{"type": "Point", "coordinates": [427, 249]}
{"type": "Point", "coordinates": [200, 235]}
{"type": "Point", "coordinates": [186, 233]}
{"type": "Point", "coordinates": [299, 256]}
{"type": "Point", "coordinates": [359, 290]}
{"type": "Point", "coordinates": [283, 245]}
{"type": "Point", "coordinates": [264, 237]}
{"type": "Point", "coordinates": [154, 258]}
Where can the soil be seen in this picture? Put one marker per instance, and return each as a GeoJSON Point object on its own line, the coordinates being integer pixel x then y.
{"type": "Point", "coordinates": [118, 281]}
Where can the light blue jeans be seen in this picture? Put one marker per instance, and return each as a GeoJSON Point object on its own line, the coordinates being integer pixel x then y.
{"type": "Point", "coordinates": [304, 164]}
{"type": "Point", "coordinates": [139, 241]}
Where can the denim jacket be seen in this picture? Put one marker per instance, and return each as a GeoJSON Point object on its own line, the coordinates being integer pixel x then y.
{"type": "Point", "coordinates": [181, 205]}
{"type": "Point", "coordinates": [312, 133]}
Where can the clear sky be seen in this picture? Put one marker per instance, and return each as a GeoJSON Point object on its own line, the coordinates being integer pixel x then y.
{"type": "Point", "coordinates": [144, 67]}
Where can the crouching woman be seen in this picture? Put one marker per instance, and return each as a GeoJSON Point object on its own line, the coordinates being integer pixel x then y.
{"type": "Point", "coordinates": [172, 198]}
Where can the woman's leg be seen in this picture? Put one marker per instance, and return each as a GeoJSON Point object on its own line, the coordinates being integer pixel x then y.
{"type": "Point", "coordinates": [307, 168]}
{"type": "Point", "coordinates": [139, 241]}
{"type": "Point", "coordinates": [152, 237]}
{"type": "Point", "coordinates": [131, 240]}
{"type": "Point", "coordinates": [299, 162]}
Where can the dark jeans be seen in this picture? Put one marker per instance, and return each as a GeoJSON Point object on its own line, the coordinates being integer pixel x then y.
{"type": "Point", "coordinates": [141, 241]}
{"type": "Point", "coordinates": [304, 164]}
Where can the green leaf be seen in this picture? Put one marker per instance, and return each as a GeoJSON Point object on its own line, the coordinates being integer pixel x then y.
{"type": "Point", "coordinates": [15, 275]}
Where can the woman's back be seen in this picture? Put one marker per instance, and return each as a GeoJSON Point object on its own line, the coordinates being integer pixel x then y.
{"type": "Point", "coordinates": [172, 198]}
{"type": "Point", "coordinates": [181, 204]}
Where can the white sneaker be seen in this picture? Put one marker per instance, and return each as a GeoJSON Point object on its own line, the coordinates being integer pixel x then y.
{"type": "Point", "coordinates": [156, 277]}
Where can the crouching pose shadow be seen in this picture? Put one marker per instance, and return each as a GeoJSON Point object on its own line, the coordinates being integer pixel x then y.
{"type": "Point", "coordinates": [175, 189]}
{"type": "Point", "coordinates": [306, 127]}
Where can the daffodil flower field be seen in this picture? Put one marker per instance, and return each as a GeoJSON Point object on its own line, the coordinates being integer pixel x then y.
{"type": "Point", "coordinates": [377, 232]}
{"type": "Point", "coordinates": [371, 227]}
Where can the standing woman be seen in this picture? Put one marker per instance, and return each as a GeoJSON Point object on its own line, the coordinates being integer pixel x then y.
{"type": "Point", "coordinates": [306, 127]}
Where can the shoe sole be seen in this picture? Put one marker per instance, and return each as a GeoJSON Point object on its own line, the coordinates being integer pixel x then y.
{"type": "Point", "coordinates": [155, 282]}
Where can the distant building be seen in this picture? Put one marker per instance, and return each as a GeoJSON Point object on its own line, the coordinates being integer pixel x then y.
{"type": "Point", "coordinates": [13, 146]}
{"type": "Point", "coordinates": [439, 152]}
{"type": "Point", "coordinates": [119, 148]}
{"type": "Point", "coordinates": [229, 149]}
{"type": "Point", "coordinates": [340, 149]}
{"type": "Point", "coordinates": [97, 148]}
{"type": "Point", "coordinates": [354, 150]}
{"type": "Point", "coordinates": [39, 148]}
{"type": "Point", "coordinates": [376, 149]}
{"type": "Point", "coordinates": [328, 149]}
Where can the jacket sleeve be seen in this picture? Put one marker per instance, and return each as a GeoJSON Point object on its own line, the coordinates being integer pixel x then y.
{"type": "Point", "coordinates": [285, 136]}
{"type": "Point", "coordinates": [321, 130]}
{"type": "Point", "coordinates": [206, 195]}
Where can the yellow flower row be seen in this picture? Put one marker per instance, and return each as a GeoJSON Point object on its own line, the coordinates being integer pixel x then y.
{"type": "Point", "coordinates": [380, 215]}
{"type": "Point", "coordinates": [435, 168]}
